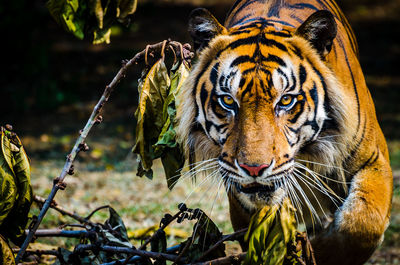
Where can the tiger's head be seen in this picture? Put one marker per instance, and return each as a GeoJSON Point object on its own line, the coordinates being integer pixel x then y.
{"type": "Point", "coordinates": [260, 100]}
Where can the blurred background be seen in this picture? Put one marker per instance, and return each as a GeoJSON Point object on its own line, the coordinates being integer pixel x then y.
{"type": "Point", "coordinates": [50, 82]}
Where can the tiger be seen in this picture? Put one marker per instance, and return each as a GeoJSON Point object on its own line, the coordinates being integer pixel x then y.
{"type": "Point", "coordinates": [277, 103]}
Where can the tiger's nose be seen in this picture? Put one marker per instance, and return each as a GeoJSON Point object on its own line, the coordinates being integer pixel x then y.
{"type": "Point", "coordinates": [254, 170]}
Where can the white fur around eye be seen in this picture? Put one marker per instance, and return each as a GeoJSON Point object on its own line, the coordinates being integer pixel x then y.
{"type": "Point", "coordinates": [278, 81]}
{"type": "Point", "coordinates": [205, 27]}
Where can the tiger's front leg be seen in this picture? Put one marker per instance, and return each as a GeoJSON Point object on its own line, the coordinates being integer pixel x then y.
{"type": "Point", "coordinates": [359, 224]}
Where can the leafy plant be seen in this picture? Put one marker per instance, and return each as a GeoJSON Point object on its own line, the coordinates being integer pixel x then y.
{"type": "Point", "coordinates": [91, 19]}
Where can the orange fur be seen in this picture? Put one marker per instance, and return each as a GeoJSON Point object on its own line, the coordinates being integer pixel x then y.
{"type": "Point", "coordinates": [327, 144]}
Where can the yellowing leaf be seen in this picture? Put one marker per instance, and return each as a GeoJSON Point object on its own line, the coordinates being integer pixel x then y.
{"type": "Point", "coordinates": [153, 89]}
{"type": "Point", "coordinates": [6, 254]}
{"type": "Point", "coordinates": [16, 190]}
{"type": "Point", "coordinates": [271, 230]}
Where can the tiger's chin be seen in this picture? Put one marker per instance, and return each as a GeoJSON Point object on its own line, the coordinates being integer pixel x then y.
{"type": "Point", "coordinates": [255, 196]}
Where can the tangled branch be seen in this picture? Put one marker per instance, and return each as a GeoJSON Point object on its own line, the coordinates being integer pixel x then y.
{"type": "Point", "coordinates": [95, 117]}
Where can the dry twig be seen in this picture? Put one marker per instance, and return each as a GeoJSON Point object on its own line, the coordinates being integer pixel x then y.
{"type": "Point", "coordinates": [95, 117]}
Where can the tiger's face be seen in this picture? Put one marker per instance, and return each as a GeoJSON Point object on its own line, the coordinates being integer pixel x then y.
{"type": "Point", "coordinates": [256, 100]}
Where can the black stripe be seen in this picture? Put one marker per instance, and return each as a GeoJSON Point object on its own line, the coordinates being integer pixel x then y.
{"type": "Point", "coordinates": [284, 163]}
{"type": "Point", "coordinates": [271, 42]}
{"type": "Point", "coordinates": [293, 130]}
{"type": "Point", "coordinates": [354, 87]}
{"type": "Point", "coordinates": [241, 59]}
{"type": "Point", "coordinates": [293, 87]}
{"type": "Point", "coordinates": [297, 115]}
{"type": "Point", "coordinates": [357, 146]}
{"type": "Point", "coordinates": [303, 6]}
{"type": "Point", "coordinates": [265, 88]}
{"type": "Point", "coordinates": [372, 159]}
{"type": "Point", "coordinates": [302, 75]}
{"type": "Point", "coordinates": [314, 96]}
{"type": "Point", "coordinates": [257, 39]}
{"type": "Point", "coordinates": [273, 58]}
{"type": "Point", "coordinates": [247, 89]}
{"type": "Point", "coordinates": [233, 7]}
{"type": "Point", "coordinates": [293, 16]}
{"type": "Point", "coordinates": [285, 76]}
{"type": "Point", "coordinates": [275, 8]}
{"type": "Point", "coordinates": [280, 34]}
{"type": "Point", "coordinates": [247, 3]}
{"type": "Point", "coordinates": [245, 72]}
{"type": "Point", "coordinates": [238, 32]}
{"type": "Point", "coordinates": [203, 98]}
{"type": "Point", "coordinates": [242, 19]}
{"type": "Point", "coordinates": [226, 162]}
{"type": "Point", "coordinates": [296, 51]}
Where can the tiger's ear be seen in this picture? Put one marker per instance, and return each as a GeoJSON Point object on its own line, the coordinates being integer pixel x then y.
{"type": "Point", "coordinates": [203, 27]}
{"type": "Point", "coordinates": [319, 29]}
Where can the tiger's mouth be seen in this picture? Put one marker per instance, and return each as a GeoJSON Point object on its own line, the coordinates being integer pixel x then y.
{"type": "Point", "coordinates": [255, 188]}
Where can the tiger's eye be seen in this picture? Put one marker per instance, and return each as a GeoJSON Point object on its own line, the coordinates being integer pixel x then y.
{"type": "Point", "coordinates": [286, 100]}
{"type": "Point", "coordinates": [228, 100]}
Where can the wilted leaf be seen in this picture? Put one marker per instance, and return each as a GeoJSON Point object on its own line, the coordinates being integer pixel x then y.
{"type": "Point", "coordinates": [16, 190]}
{"type": "Point", "coordinates": [119, 229]}
{"type": "Point", "coordinates": [269, 234]}
{"type": "Point", "coordinates": [159, 244]}
{"type": "Point", "coordinates": [172, 156]}
{"type": "Point", "coordinates": [205, 234]}
{"type": "Point", "coordinates": [153, 89]}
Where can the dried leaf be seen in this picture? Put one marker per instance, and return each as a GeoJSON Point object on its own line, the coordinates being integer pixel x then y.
{"type": "Point", "coordinates": [172, 156]}
{"type": "Point", "coordinates": [119, 230]}
{"type": "Point", "coordinates": [159, 244]}
{"type": "Point", "coordinates": [153, 91]}
{"type": "Point", "coordinates": [271, 230]}
{"type": "Point", "coordinates": [205, 234]}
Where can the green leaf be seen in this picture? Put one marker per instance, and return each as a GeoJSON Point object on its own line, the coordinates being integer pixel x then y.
{"type": "Point", "coordinates": [153, 89]}
{"type": "Point", "coordinates": [68, 14]}
{"type": "Point", "coordinates": [91, 19]}
{"type": "Point", "coordinates": [16, 191]}
{"type": "Point", "coordinates": [271, 231]}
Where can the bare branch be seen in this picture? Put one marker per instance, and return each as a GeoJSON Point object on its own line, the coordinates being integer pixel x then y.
{"type": "Point", "coordinates": [229, 237]}
{"type": "Point", "coordinates": [54, 205]}
{"type": "Point", "coordinates": [94, 118]}
{"type": "Point", "coordinates": [60, 233]}
{"type": "Point", "coordinates": [142, 253]}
